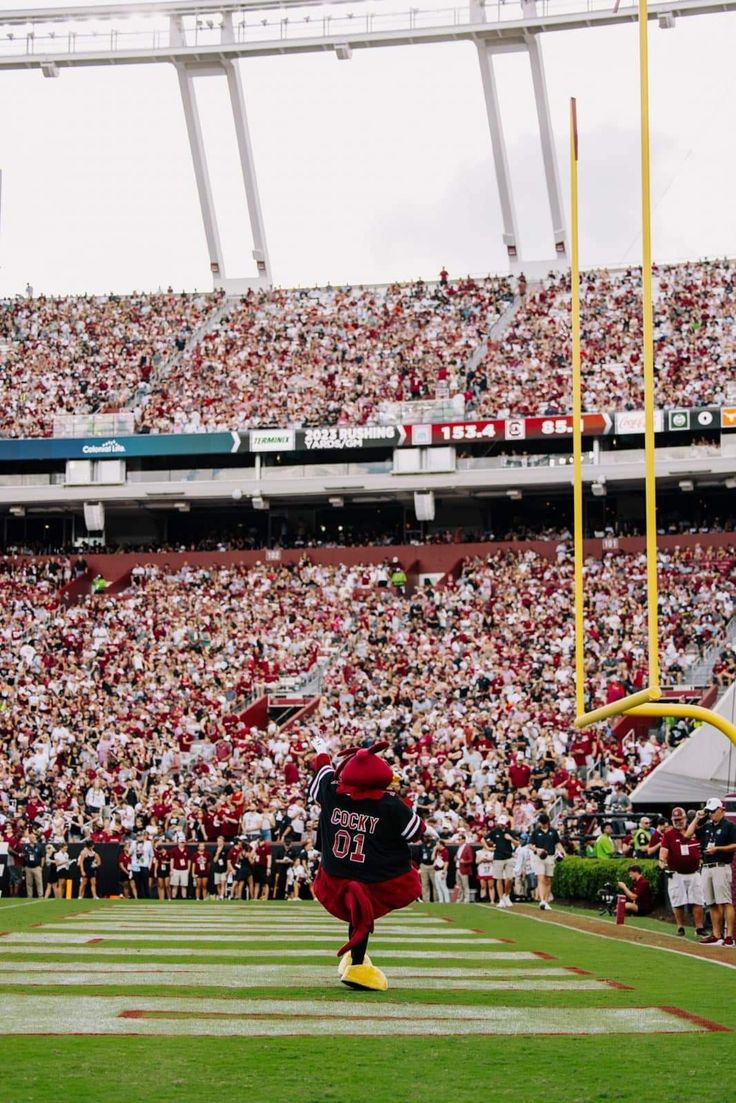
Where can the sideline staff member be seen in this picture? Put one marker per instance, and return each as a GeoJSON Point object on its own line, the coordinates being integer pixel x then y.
{"type": "Point", "coordinates": [717, 837]}
{"type": "Point", "coordinates": [680, 856]}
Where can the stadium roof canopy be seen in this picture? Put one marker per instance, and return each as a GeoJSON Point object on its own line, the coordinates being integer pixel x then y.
{"type": "Point", "coordinates": [702, 766]}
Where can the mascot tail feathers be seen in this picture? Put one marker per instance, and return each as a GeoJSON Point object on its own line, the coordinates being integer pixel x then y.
{"type": "Point", "coordinates": [361, 915]}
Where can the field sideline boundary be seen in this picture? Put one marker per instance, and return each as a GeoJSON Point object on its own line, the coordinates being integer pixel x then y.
{"type": "Point", "coordinates": [642, 938]}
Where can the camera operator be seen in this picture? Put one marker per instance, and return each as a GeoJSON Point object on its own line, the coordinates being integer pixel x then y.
{"type": "Point", "coordinates": [679, 856]}
{"type": "Point", "coordinates": [717, 837]}
{"type": "Point", "coordinates": [639, 900]}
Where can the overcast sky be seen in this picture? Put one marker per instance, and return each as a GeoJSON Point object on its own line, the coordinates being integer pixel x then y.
{"type": "Point", "coordinates": [369, 170]}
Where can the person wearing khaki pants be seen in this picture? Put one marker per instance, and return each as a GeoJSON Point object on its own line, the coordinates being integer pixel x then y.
{"type": "Point", "coordinates": [33, 853]}
{"type": "Point", "coordinates": [426, 870]}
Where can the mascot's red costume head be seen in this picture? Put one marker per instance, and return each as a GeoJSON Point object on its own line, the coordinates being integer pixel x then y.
{"type": "Point", "coordinates": [362, 775]}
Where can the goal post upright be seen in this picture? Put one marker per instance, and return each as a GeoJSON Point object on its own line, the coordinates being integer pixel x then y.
{"type": "Point", "coordinates": [577, 418]}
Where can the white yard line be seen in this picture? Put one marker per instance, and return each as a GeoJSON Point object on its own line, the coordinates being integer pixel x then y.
{"type": "Point", "coordinates": [19, 904]}
{"type": "Point", "coordinates": [294, 978]}
{"type": "Point", "coordinates": [238, 940]}
{"type": "Point", "coordinates": [450, 953]}
{"type": "Point", "coordinates": [247, 973]}
{"type": "Point", "coordinates": [33, 1014]}
{"type": "Point", "coordinates": [243, 934]}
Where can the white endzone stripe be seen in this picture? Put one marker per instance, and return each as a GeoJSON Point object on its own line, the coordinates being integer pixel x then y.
{"type": "Point", "coordinates": [626, 942]}
{"type": "Point", "coordinates": [238, 934]}
{"type": "Point", "coordinates": [253, 928]}
{"type": "Point", "coordinates": [291, 978]}
{"type": "Point", "coordinates": [18, 904]}
{"type": "Point", "coordinates": [245, 953]}
{"type": "Point", "coordinates": [247, 973]}
{"type": "Point", "coordinates": [36, 1014]}
{"type": "Point", "coordinates": [243, 922]}
{"type": "Point", "coordinates": [75, 939]}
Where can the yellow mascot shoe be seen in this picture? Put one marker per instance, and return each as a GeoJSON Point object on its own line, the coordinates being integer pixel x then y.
{"type": "Point", "coordinates": [366, 977]}
{"type": "Point", "coordinates": [347, 960]}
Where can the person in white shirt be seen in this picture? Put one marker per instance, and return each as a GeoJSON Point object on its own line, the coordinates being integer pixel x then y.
{"type": "Point", "coordinates": [440, 864]}
{"type": "Point", "coordinates": [251, 822]}
{"type": "Point", "coordinates": [484, 869]}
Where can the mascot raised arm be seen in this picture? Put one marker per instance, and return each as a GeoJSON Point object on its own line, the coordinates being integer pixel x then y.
{"type": "Point", "coordinates": [364, 837]}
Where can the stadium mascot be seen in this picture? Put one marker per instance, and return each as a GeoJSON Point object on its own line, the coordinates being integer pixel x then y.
{"type": "Point", "coordinates": [364, 835]}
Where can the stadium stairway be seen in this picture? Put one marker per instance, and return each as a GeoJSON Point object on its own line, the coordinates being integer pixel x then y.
{"type": "Point", "coordinates": [701, 671]}
{"type": "Point", "coordinates": [209, 323]}
{"type": "Point", "coordinates": [498, 329]}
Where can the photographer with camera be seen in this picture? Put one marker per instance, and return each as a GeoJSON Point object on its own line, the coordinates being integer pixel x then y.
{"type": "Point", "coordinates": [546, 848]}
{"type": "Point", "coordinates": [679, 857]}
{"type": "Point", "coordinates": [639, 900]}
{"type": "Point", "coordinates": [717, 838]}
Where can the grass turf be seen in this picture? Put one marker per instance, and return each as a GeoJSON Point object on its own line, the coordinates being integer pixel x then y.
{"type": "Point", "coordinates": [654, 1068]}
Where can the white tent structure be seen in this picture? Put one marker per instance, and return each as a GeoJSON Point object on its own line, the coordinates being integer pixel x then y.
{"type": "Point", "coordinates": [702, 766]}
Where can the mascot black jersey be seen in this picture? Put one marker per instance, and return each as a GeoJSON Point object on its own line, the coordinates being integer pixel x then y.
{"type": "Point", "coordinates": [364, 839]}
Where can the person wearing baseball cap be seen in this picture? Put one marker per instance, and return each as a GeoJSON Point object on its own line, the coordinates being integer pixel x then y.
{"type": "Point", "coordinates": [717, 838]}
{"type": "Point", "coordinates": [680, 857]}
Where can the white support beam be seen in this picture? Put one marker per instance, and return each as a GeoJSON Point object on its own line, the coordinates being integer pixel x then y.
{"type": "Point", "coordinates": [498, 143]}
{"type": "Point", "coordinates": [201, 173]}
{"type": "Point", "coordinates": [248, 169]}
{"type": "Point", "coordinates": [228, 69]}
{"type": "Point", "coordinates": [547, 140]}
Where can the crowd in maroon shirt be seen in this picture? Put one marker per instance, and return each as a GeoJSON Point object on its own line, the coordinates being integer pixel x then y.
{"type": "Point", "coordinates": [342, 355]}
{"type": "Point", "coordinates": [126, 713]}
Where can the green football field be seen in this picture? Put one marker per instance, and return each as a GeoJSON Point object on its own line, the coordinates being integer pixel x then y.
{"type": "Point", "coordinates": [135, 1001]}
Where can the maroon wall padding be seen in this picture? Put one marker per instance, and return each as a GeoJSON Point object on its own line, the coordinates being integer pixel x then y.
{"type": "Point", "coordinates": [303, 713]}
{"type": "Point", "coordinates": [426, 559]}
{"type": "Point", "coordinates": [256, 714]}
{"type": "Point", "coordinates": [78, 589]}
{"type": "Point", "coordinates": [118, 583]}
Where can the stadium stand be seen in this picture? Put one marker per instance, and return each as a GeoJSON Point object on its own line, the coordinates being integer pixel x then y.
{"type": "Point", "coordinates": [336, 356]}
{"type": "Point", "coordinates": [528, 371]}
{"type": "Point", "coordinates": [141, 692]}
{"type": "Point", "coordinates": [90, 353]}
{"type": "Point", "coordinates": [333, 354]}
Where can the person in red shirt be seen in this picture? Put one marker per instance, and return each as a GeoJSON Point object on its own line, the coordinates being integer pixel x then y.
{"type": "Point", "coordinates": [680, 856]}
{"type": "Point", "coordinates": [200, 867]}
{"type": "Point", "coordinates": [262, 870]}
{"type": "Point", "coordinates": [465, 859]}
{"type": "Point", "coordinates": [519, 774]}
{"type": "Point", "coordinates": [125, 874]}
{"type": "Point", "coordinates": [639, 897]}
{"type": "Point", "coordinates": [178, 856]}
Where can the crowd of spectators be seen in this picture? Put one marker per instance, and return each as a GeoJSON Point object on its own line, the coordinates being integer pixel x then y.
{"type": "Point", "coordinates": [123, 715]}
{"type": "Point", "coordinates": [327, 356]}
{"type": "Point", "coordinates": [528, 371]}
{"type": "Point", "coordinates": [337, 355]}
{"type": "Point", "coordinates": [91, 353]}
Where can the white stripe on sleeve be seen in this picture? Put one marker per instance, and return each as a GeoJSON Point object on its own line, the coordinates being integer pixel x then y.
{"type": "Point", "coordinates": [317, 781]}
